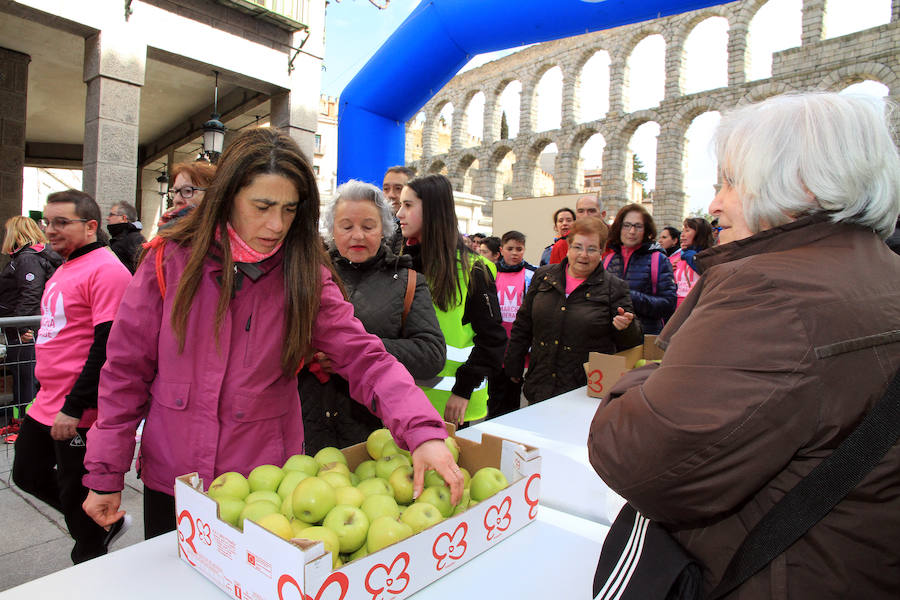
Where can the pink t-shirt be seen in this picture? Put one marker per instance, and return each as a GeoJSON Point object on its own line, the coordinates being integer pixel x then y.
{"type": "Point", "coordinates": [510, 293]}
{"type": "Point", "coordinates": [81, 294]}
{"type": "Point", "coordinates": [626, 256]}
{"type": "Point", "coordinates": [572, 283]}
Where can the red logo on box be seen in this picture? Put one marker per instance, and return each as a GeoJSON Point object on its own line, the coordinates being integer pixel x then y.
{"type": "Point", "coordinates": [393, 579]}
{"type": "Point", "coordinates": [496, 519]}
{"type": "Point", "coordinates": [185, 538]}
{"type": "Point", "coordinates": [531, 502]}
{"type": "Point", "coordinates": [335, 577]}
{"type": "Point", "coordinates": [594, 379]}
{"type": "Point", "coordinates": [453, 546]}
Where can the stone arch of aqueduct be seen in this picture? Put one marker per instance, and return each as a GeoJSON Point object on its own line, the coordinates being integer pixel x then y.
{"type": "Point", "coordinates": [825, 64]}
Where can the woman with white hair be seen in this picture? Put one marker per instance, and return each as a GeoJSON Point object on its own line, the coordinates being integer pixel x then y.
{"type": "Point", "coordinates": [790, 337]}
{"type": "Point", "coordinates": [390, 300]}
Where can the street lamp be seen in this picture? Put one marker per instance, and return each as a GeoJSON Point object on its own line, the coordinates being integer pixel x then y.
{"type": "Point", "coordinates": [214, 130]}
{"type": "Point", "coordinates": [163, 182]}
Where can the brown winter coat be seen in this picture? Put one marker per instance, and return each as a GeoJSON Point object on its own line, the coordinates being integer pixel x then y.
{"type": "Point", "coordinates": [775, 356]}
{"type": "Point", "coordinates": [561, 331]}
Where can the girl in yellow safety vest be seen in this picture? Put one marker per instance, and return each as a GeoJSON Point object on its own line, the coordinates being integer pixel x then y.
{"type": "Point", "coordinates": [464, 295]}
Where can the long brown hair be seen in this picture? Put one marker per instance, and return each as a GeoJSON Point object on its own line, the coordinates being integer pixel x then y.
{"type": "Point", "coordinates": [441, 241]}
{"type": "Point", "coordinates": [703, 233]}
{"type": "Point", "coordinates": [256, 152]}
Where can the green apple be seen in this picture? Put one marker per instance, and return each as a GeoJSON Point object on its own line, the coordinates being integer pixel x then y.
{"type": "Point", "coordinates": [263, 495]}
{"type": "Point", "coordinates": [230, 509]}
{"type": "Point", "coordinates": [640, 363]}
{"type": "Point", "coordinates": [350, 524]}
{"type": "Point", "coordinates": [380, 505]}
{"type": "Point", "coordinates": [365, 470]}
{"type": "Point", "coordinates": [278, 524]}
{"type": "Point", "coordinates": [312, 499]}
{"type": "Point", "coordinates": [256, 511]}
{"type": "Point", "coordinates": [385, 465]}
{"type": "Point", "coordinates": [363, 551]}
{"type": "Point", "coordinates": [287, 507]}
{"type": "Point", "coordinates": [303, 463]}
{"type": "Point", "coordinates": [401, 481]}
{"type": "Point", "coordinates": [349, 495]}
{"type": "Point", "coordinates": [375, 441]}
{"type": "Point", "coordinates": [467, 479]}
{"type": "Point", "coordinates": [420, 516]}
{"type": "Point", "coordinates": [376, 485]}
{"type": "Point", "coordinates": [328, 538]}
{"type": "Point", "coordinates": [463, 505]}
{"type": "Point", "coordinates": [329, 454]}
{"type": "Point", "coordinates": [334, 479]}
{"type": "Point", "coordinates": [335, 467]}
{"type": "Point", "coordinates": [354, 479]}
{"type": "Point", "coordinates": [390, 447]}
{"type": "Point", "coordinates": [385, 531]}
{"type": "Point", "coordinates": [439, 497]}
{"type": "Point", "coordinates": [453, 446]}
{"type": "Point", "coordinates": [486, 482]}
{"type": "Point", "coordinates": [433, 478]}
{"type": "Point", "coordinates": [290, 481]}
{"type": "Point", "coordinates": [229, 484]}
{"type": "Point", "coordinates": [265, 477]}
{"type": "Point", "coordinates": [298, 526]}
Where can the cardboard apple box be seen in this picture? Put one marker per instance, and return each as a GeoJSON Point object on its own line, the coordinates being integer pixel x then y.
{"type": "Point", "coordinates": [604, 370]}
{"type": "Point", "coordinates": [256, 564]}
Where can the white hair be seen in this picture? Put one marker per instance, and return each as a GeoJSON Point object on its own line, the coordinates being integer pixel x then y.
{"type": "Point", "coordinates": [836, 148]}
{"type": "Point", "coordinates": [359, 190]}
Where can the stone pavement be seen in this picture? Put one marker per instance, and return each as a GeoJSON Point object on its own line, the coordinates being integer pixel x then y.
{"type": "Point", "coordinates": [34, 541]}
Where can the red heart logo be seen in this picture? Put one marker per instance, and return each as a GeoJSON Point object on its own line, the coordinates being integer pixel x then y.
{"type": "Point", "coordinates": [335, 577]}
{"type": "Point", "coordinates": [594, 379]}
{"type": "Point", "coordinates": [496, 518]}
{"type": "Point", "coordinates": [531, 502]}
{"type": "Point", "coordinates": [187, 539]}
{"type": "Point", "coordinates": [393, 579]}
{"type": "Point", "coordinates": [453, 546]}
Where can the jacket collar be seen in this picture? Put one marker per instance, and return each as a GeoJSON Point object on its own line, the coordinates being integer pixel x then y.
{"type": "Point", "coordinates": [556, 275]}
{"type": "Point", "coordinates": [84, 250]}
{"type": "Point", "coordinates": [117, 229]}
{"type": "Point", "coordinates": [777, 239]}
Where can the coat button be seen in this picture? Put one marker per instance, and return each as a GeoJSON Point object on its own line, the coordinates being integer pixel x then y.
{"type": "Point", "coordinates": [179, 402]}
{"type": "Point", "coordinates": [562, 308]}
{"type": "Point", "coordinates": [556, 342]}
{"type": "Point", "coordinates": [553, 375]}
{"type": "Point", "coordinates": [239, 414]}
{"type": "Point", "coordinates": [587, 295]}
{"type": "Point", "coordinates": [327, 413]}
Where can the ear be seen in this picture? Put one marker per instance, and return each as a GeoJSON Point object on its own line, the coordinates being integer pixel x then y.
{"type": "Point", "coordinates": [92, 227]}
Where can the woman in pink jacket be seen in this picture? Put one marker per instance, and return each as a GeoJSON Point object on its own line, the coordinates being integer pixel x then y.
{"type": "Point", "coordinates": [213, 329]}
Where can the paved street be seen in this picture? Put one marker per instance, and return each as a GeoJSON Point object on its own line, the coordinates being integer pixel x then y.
{"type": "Point", "coordinates": [33, 538]}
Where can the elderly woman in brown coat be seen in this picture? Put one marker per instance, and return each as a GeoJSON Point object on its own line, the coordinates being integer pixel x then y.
{"type": "Point", "coordinates": [786, 342]}
{"type": "Point", "coordinates": [571, 309]}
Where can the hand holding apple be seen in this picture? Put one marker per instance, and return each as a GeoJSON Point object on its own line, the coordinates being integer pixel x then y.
{"type": "Point", "coordinates": [434, 454]}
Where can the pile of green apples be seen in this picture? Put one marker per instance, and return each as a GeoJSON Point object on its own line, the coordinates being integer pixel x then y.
{"type": "Point", "coordinates": [353, 513]}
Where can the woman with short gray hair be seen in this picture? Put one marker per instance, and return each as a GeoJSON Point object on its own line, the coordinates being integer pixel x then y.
{"type": "Point", "coordinates": [391, 301]}
{"type": "Point", "coordinates": [783, 346]}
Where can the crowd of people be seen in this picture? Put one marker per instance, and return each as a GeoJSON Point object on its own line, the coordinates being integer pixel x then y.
{"type": "Point", "coordinates": [231, 334]}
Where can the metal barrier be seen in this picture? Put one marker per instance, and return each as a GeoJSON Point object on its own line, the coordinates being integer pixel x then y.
{"type": "Point", "coordinates": [17, 383]}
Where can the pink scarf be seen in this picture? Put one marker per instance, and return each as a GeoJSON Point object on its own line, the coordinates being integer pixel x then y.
{"type": "Point", "coordinates": [242, 252]}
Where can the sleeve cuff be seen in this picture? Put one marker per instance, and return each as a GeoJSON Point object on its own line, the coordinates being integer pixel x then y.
{"type": "Point", "coordinates": [72, 409]}
{"type": "Point", "coordinates": [414, 438]}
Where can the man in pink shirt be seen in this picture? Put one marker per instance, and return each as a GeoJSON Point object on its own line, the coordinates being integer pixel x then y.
{"type": "Point", "coordinates": [77, 309]}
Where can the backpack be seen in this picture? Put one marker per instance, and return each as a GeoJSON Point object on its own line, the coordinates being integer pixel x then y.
{"type": "Point", "coordinates": [654, 267]}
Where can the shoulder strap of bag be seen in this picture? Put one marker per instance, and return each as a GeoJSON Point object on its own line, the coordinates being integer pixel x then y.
{"type": "Point", "coordinates": [607, 259]}
{"type": "Point", "coordinates": [410, 292]}
{"type": "Point", "coordinates": [654, 270]}
{"type": "Point", "coordinates": [817, 493]}
{"type": "Point", "coordinates": [158, 263]}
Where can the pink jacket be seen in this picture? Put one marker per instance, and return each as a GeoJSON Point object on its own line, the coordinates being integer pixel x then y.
{"type": "Point", "coordinates": [228, 407]}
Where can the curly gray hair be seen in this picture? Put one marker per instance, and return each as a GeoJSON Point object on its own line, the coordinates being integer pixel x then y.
{"type": "Point", "coordinates": [359, 190]}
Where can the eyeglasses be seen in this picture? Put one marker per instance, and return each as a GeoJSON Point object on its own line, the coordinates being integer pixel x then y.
{"type": "Point", "coordinates": [186, 191]}
{"type": "Point", "coordinates": [590, 250]}
{"type": "Point", "coordinates": [61, 222]}
{"type": "Point", "coordinates": [635, 226]}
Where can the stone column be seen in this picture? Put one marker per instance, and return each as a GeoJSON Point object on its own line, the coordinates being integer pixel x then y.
{"type": "Point", "coordinates": [571, 105]}
{"type": "Point", "coordinates": [738, 57]}
{"type": "Point", "coordinates": [565, 175]}
{"type": "Point", "coordinates": [527, 108]}
{"type": "Point", "coordinates": [614, 192]}
{"type": "Point", "coordinates": [430, 134]}
{"type": "Point", "coordinates": [485, 183]}
{"type": "Point", "coordinates": [618, 80]}
{"type": "Point", "coordinates": [491, 121]}
{"type": "Point", "coordinates": [813, 21]}
{"type": "Point", "coordinates": [459, 127]}
{"type": "Point", "coordinates": [895, 10]}
{"type": "Point", "coordinates": [523, 177]}
{"type": "Point", "coordinates": [668, 197]}
{"type": "Point", "coordinates": [13, 96]}
{"type": "Point", "coordinates": [114, 66]}
{"type": "Point", "coordinates": [674, 73]}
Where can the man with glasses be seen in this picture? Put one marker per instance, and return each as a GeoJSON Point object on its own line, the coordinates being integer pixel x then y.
{"type": "Point", "coordinates": [125, 234]}
{"type": "Point", "coordinates": [587, 206]}
{"type": "Point", "coordinates": [77, 309]}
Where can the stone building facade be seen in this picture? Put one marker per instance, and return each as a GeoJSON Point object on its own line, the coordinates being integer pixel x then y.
{"type": "Point", "coordinates": [817, 64]}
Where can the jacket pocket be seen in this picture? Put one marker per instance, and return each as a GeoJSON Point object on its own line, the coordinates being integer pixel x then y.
{"type": "Point", "coordinates": [170, 394]}
{"type": "Point", "coordinates": [250, 407]}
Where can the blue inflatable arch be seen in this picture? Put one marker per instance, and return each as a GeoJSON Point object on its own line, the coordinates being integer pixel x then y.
{"type": "Point", "coordinates": [437, 39]}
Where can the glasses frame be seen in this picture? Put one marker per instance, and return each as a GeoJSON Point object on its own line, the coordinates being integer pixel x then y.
{"type": "Point", "coordinates": [171, 192]}
{"type": "Point", "coordinates": [61, 222]}
{"type": "Point", "coordinates": [635, 226]}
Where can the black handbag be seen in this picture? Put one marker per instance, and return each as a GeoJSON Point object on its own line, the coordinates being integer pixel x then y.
{"type": "Point", "coordinates": [640, 560]}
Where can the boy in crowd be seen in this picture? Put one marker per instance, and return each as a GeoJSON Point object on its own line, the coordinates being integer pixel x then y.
{"type": "Point", "coordinates": [513, 278]}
